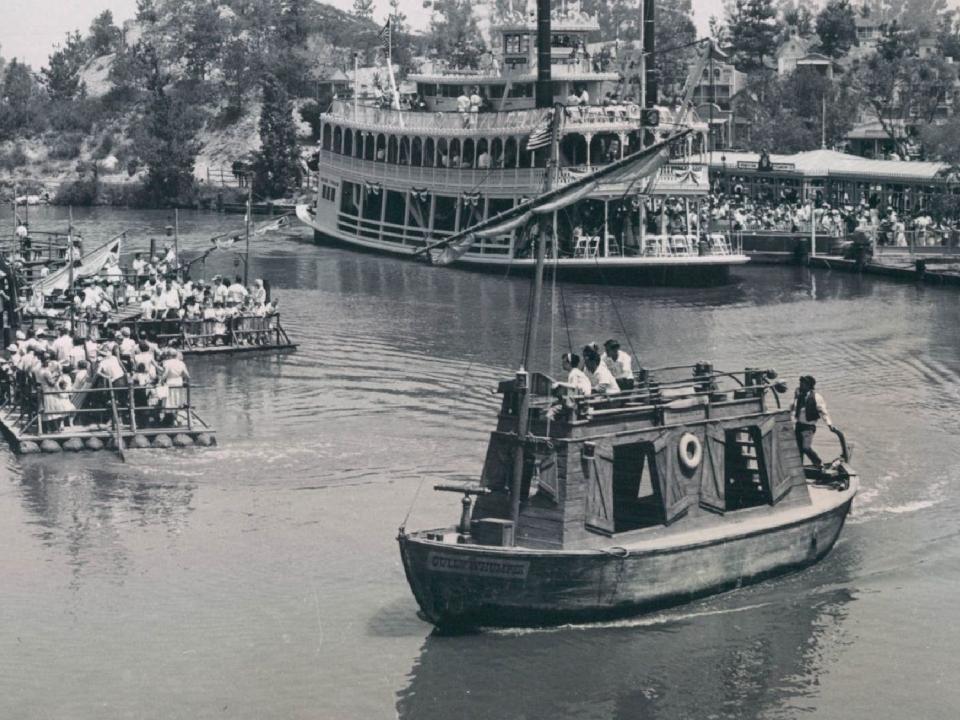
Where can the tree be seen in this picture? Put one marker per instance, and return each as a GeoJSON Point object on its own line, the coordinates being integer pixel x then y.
{"type": "Point", "coordinates": [236, 65]}
{"type": "Point", "coordinates": [796, 18]}
{"type": "Point", "coordinates": [454, 32]}
{"type": "Point", "coordinates": [201, 37]}
{"type": "Point", "coordinates": [674, 29]}
{"type": "Point", "coordinates": [146, 11]}
{"type": "Point", "coordinates": [166, 142]}
{"type": "Point", "coordinates": [277, 163]}
{"type": "Point", "coordinates": [942, 141]}
{"type": "Point", "coordinates": [903, 90]}
{"type": "Point", "coordinates": [752, 27]}
{"type": "Point", "coordinates": [837, 28]}
{"type": "Point", "coordinates": [103, 36]}
{"type": "Point", "coordinates": [363, 9]}
{"type": "Point", "coordinates": [397, 17]}
{"type": "Point", "coordinates": [18, 100]}
{"type": "Point", "coordinates": [61, 76]}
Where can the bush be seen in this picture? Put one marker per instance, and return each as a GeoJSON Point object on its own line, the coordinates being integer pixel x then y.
{"type": "Point", "coordinates": [105, 146]}
{"type": "Point", "coordinates": [13, 159]}
{"type": "Point", "coordinates": [310, 113]}
{"type": "Point", "coordinates": [81, 193]}
{"type": "Point", "coordinates": [66, 147]}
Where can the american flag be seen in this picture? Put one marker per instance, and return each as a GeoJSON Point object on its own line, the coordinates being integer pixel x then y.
{"type": "Point", "coordinates": [542, 134]}
{"type": "Point", "coordinates": [385, 39]}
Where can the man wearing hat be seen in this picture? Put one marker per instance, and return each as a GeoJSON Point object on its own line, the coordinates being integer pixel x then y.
{"type": "Point", "coordinates": [808, 410]}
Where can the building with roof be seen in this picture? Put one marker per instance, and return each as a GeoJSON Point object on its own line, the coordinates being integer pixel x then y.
{"type": "Point", "coordinates": [713, 98]}
{"type": "Point", "coordinates": [828, 176]}
{"type": "Point", "coordinates": [790, 52]}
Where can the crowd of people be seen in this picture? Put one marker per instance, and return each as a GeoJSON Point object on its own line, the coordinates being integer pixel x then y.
{"type": "Point", "coordinates": [598, 371]}
{"type": "Point", "coordinates": [885, 225]}
{"type": "Point", "coordinates": [153, 290]}
{"type": "Point", "coordinates": [52, 371]}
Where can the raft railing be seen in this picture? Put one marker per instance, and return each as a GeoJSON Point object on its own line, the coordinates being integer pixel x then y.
{"type": "Point", "coordinates": [127, 407]}
{"type": "Point", "coordinates": [241, 331]}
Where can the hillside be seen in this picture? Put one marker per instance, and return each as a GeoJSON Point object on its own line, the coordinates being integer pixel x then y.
{"type": "Point", "coordinates": [91, 113]}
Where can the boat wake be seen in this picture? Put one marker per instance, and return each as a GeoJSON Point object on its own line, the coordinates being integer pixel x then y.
{"type": "Point", "coordinates": [657, 619]}
{"type": "Point", "coordinates": [874, 503]}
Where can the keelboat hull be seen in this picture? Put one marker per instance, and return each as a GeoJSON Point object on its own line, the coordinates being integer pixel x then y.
{"type": "Point", "coordinates": [464, 585]}
{"type": "Point", "coordinates": [690, 271]}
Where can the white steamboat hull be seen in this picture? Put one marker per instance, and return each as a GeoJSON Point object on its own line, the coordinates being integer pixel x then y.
{"type": "Point", "coordinates": [657, 270]}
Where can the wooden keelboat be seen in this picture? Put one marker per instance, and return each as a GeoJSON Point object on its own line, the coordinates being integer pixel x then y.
{"type": "Point", "coordinates": [690, 482]}
{"type": "Point", "coordinates": [627, 502]}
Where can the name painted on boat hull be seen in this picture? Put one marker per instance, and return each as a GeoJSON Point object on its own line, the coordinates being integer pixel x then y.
{"type": "Point", "coordinates": [485, 567]}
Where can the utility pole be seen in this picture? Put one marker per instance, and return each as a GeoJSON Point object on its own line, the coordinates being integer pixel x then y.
{"type": "Point", "coordinates": [246, 259]}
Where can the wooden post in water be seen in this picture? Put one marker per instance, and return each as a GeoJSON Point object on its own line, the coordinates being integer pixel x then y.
{"type": "Point", "coordinates": [118, 435]}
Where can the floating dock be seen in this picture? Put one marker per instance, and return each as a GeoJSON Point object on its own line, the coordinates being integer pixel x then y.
{"type": "Point", "coordinates": [116, 427]}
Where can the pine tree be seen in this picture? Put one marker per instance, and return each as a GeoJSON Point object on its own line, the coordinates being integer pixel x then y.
{"type": "Point", "coordinates": [277, 163]}
{"type": "Point", "coordinates": [752, 28]}
{"type": "Point", "coordinates": [104, 35]}
{"type": "Point", "coordinates": [837, 28]}
{"type": "Point", "coordinates": [166, 137]}
{"type": "Point", "coordinates": [363, 9]}
{"type": "Point", "coordinates": [61, 76]}
{"type": "Point", "coordinates": [454, 32]}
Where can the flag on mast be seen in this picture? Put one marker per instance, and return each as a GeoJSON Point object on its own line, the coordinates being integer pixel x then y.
{"type": "Point", "coordinates": [542, 134]}
{"type": "Point", "coordinates": [386, 39]}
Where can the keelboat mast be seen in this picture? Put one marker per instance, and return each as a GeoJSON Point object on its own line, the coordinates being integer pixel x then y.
{"type": "Point", "coordinates": [544, 98]}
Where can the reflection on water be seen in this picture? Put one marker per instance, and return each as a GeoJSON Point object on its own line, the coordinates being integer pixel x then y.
{"type": "Point", "coordinates": [260, 578]}
{"type": "Point", "coordinates": [732, 660]}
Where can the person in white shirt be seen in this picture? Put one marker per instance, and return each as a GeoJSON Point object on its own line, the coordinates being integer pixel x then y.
{"type": "Point", "coordinates": [128, 345]}
{"type": "Point", "coordinates": [601, 380]}
{"type": "Point", "coordinates": [576, 378]}
{"type": "Point", "coordinates": [139, 266]}
{"type": "Point", "coordinates": [219, 291]}
{"type": "Point", "coordinates": [259, 294]}
{"type": "Point", "coordinates": [808, 409]}
{"type": "Point", "coordinates": [171, 300]}
{"type": "Point", "coordinates": [78, 353]}
{"type": "Point", "coordinates": [236, 293]}
{"type": "Point", "coordinates": [109, 367]}
{"type": "Point", "coordinates": [62, 346]}
{"type": "Point", "coordinates": [619, 363]}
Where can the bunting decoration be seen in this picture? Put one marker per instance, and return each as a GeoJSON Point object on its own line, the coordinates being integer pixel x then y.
{"type": "Point", "coordinates": [471, 198]}
{"type": "Point", "coordinates": [420, 194]}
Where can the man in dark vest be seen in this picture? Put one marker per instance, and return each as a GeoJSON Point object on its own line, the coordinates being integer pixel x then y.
{"type": "Point", "coordinates": [808, 410]}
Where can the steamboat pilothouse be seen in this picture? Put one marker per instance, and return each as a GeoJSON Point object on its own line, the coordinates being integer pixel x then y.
{"type": "Point", "coordinates": [404, 181]}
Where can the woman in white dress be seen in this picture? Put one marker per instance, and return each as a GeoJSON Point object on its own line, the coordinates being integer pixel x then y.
{"type": "Point", "coordinates": [175, 377]}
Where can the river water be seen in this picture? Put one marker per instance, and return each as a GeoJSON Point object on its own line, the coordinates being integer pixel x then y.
{"type": "Point", "coordinates": [261, 579]}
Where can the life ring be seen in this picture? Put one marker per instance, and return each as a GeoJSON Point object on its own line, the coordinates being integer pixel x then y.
{"type": "Point", "coordinates": [633, 111]}
{"type": "Point", "coordinates": [690, 451]}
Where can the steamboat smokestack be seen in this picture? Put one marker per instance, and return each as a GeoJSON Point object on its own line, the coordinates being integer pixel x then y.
{"type": "Point", "coordinates": [544, 59]}
{"type": "Point", "coordinates": [649, 47]}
